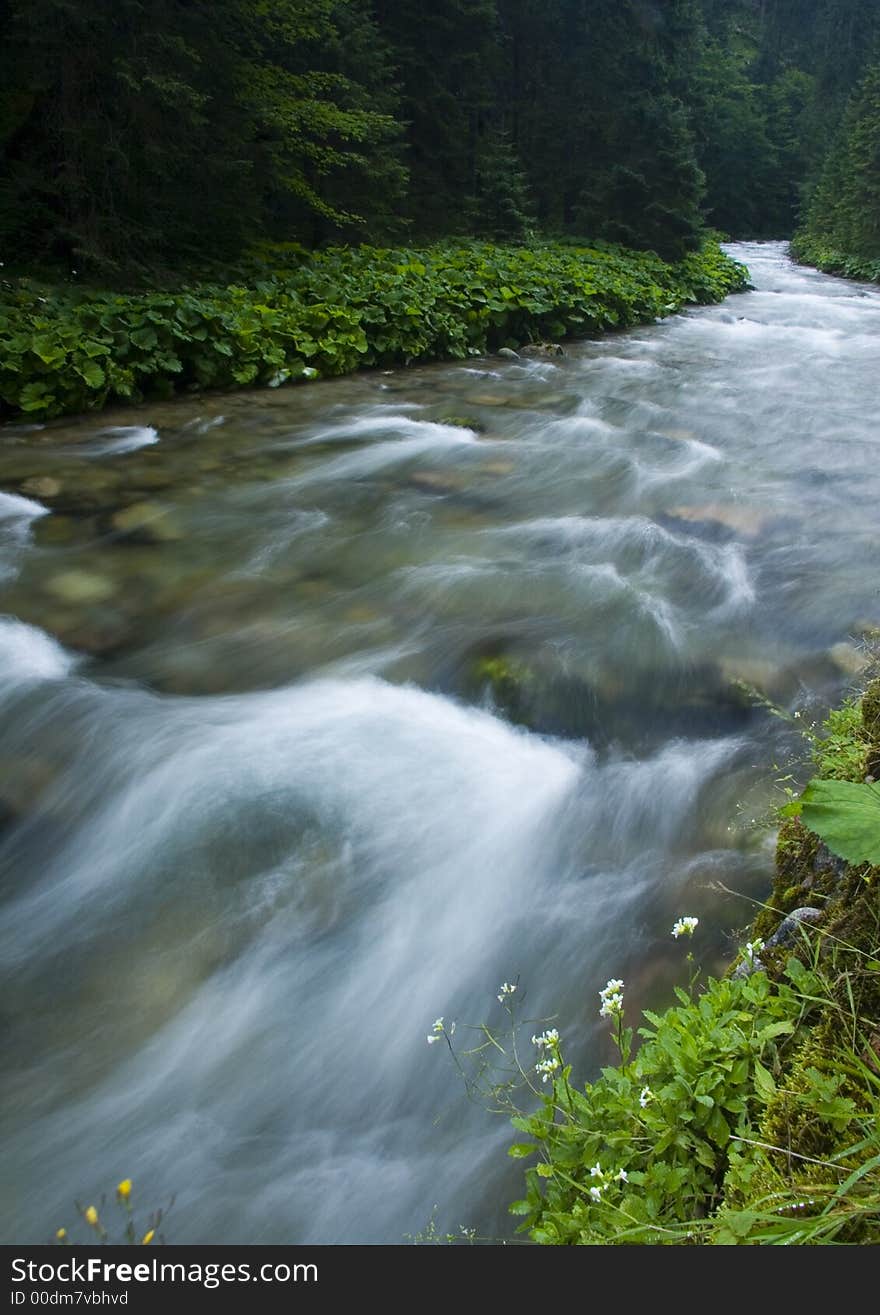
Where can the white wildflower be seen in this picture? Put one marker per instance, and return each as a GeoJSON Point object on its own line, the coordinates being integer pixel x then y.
{"type": "Point", "coordinates": [685, 927]}
{"type": "Point", "coordinates": [611, 998]}
{"type": "Point", "coordinates": [596, 1171]}
{"type": "Point", "coordinates": [753, 948]}
{"type": "Point", "coordinates": [507, 988]}
{"type": "Point", "coordinates": [596, 1193]}
{"type": "Point", "coordinates": [438, 1031]}
{"type": "Point", "coordinates": [547, 1068]}
{"type": "Point", "coordinates": [622, 1176]}
{"type": "Point", "coordinates": [548, 1039]}
{"type": "Point", "coordinates": [646, 1097]}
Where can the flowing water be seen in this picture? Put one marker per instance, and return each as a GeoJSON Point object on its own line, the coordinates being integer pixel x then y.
{"type": "Point", "coordinates": [325, 711]}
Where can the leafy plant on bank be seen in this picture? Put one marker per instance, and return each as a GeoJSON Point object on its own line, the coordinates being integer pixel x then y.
{"type": "Point", "coordinates": [640, 1154]}
{"type": "Point", "coordinates": [301, 316]}
{"type": "Point", "coordinates": [748, 1115]}
{"type": "Point", "coordinates": [841, 804]}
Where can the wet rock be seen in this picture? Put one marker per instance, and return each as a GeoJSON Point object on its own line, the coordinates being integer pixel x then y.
{"type": "Point", "coordinates": [361, 614]}
{"type": "Point", "coordinates": [541, 350]}
{"type": "Point", "coordinates": [151, 480]}
{"type": "Point", "coordinates": [750, 965]}
{"type": "Point", "coordinates": [497, 468]}
{"type": "Point", "coordinates": [508, 353]}
{"type": "Point", "coordinates": [100, 633]}
{"type": "Point", "coordinates": [62, 531]}
{"type": "Point", "coordinates": [490, 399]}
{"type": "Point", "coordinates": [146, 522]}
{"type": "Point", "coordinates": [755, 673]}
{"type": "Point", "coordinates": [41, 486]}
{"type": "Point", "coordinates": [849, 659]}
{"type": "Point", "coordinates": [94, 491]}
{"type": "Point", "coordinates": [748, 521]}
{"type": "Point", "coordinates": [461, 422]}
{"type": "Point", "coordinates": [81, 587]}
{"type": "Point", "coordinates": [787, 931]}
{"type": "Point", "coordinates": [435, 481]}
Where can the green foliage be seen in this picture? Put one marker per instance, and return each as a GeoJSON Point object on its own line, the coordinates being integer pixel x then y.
{"type": "Point", "coordinates": [846, 815]}
{"type": "Point", "coordinates": [141, 137]}
{"type": "Point", "coordinates": [137, 134]}
{"type": "Point", "coordinates": [666, 1119]}
{"type": "Point", "coordinates": [331, 313]}
{"type": "Point", "coordinates": [840, 752]}
{"type": "Point", "coordinates": [842, 230]}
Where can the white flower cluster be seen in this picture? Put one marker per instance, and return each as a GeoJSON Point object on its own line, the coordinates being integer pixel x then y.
{"type": "Point", "coordinates": [753, 948]}
{"type": "Point", "coordinates": [507, 988]}
{"type": "Point", "coordinates": [611, 997]}
{"type": "Point", "coordinates": [685, 927]}
{"type": "Point", "coordinates": [437, 1032]}
{"type": "Point", "coordinates": [548, 1041]}
{"type": "Point", "coordinates": [605, 1178]}
{"type": "Point", "coordinates": [547, 1067]}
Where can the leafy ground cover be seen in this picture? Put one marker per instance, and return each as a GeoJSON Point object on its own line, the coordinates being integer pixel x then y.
{"type": "Point", "coordinates": [292, 315]}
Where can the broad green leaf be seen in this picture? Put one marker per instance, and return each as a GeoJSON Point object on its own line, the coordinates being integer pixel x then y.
{"type": "Point", "coordinates": [92, 373]}
{"type": "Point", "coordinates": [764, 1084]}
{"type": "Point", "coordinates": [846, 815]}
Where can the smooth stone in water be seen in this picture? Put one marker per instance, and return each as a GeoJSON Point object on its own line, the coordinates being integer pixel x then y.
{"type": "Point", "coordinates": [850, 660]}
{"type": "Point", "coordinates": [433, 481]}
{"type": "Point", "coordinates": [756, 672]}
{"type": "Point", "coordinates": [81, 587]}
{"type": "Point", "coordinates": [749, 521]}
{"type": "Point", "coordinates": [41, 486]}
{"type": "Point", "coordinates": [489, 399]}
{"type": "Point", "coordinates": [146, 522]}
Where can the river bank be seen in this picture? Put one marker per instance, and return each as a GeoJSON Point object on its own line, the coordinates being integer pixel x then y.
{"type": "Point", "coordinates": [810, 249]}
{"type": "Point", "coordinates": [749, 1115]}
{"type": "Point", "coordinates": [294, 315]}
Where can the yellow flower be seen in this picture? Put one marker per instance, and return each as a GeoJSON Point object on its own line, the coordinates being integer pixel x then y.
{"type": "Point", "coordinates": [148, 1237]}
{"type": "Point", "coordinates": [61, 1234]}
{"type": "Point", "coordinates": [92, 1216]}
{"type": "Point", "coordinates": [123, 1191]}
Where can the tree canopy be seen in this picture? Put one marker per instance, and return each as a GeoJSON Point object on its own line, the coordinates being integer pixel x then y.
{"type": "Point", "coordinates": [151, 133]}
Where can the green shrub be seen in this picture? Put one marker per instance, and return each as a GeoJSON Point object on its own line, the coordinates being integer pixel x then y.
{"type": "Point", "coordinates": [640, 1155]}
{"type": "Point", "coordinates": [329, 313]}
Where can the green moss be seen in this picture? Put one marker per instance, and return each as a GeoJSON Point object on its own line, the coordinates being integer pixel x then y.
{"type": "Point", "coordinates": [462, 422]}
{"type": "Point", "coordinates": [509, 682]}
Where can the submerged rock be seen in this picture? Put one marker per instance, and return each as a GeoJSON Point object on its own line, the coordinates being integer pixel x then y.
{"type": "Point", "coordinates": [461, 422]}
{"type": "Point", "coordinates": [41, 486]}
{"type": "Point", "coordinates": [81, 587]}
{"type": "Point", "coordinates": [146, 522]}
{"type": "Point", "coordinates": [749, 521]}
{"type": "Point", "coordinates": [436, 481]}
{"type": "Point", "coordinates": [849, 659]}
{"type": "Point", "coordinates": [508, 353]}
